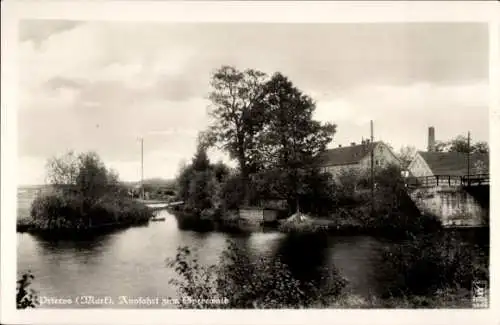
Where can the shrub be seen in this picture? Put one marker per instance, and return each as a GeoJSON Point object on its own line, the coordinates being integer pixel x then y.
{"type": "Point", "coordinates": [85, 195]}
{"type": "Point", "coordinates": [57, 211]}
{"type": "Point", "coordinates": [66, 211]}
{"type": "Point", "coordinates": [25, 296]}
{"type": "Point", "coordinates": [244, 283]}
{"type": "Point", "coordinates": [428, 264]}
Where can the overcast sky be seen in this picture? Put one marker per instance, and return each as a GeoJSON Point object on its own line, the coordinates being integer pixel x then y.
{"type": "Point", "coordinates": [100, 86]}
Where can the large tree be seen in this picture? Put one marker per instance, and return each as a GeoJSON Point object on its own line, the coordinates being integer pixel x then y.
{"type": "Point", "coordinates": [291, 138]}
{"type": "Point", "coordinates": [236, 119]}
{"type": "Point", "coordinates": [84, 173]}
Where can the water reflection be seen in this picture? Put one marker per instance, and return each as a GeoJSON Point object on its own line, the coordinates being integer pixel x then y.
{"type": "Point", "coordinates": [131, 262]}
{"type": "Point", "coordinates": [306, 255]}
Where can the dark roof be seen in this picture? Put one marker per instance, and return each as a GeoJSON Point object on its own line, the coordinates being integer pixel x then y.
{"type": "Point", "coordinates": [345, 155]}
{"type": "Point", "coordinates": [454, 163]}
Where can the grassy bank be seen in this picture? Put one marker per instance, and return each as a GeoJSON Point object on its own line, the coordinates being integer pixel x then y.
{"type": "Point", "coordinates": [452, 298]}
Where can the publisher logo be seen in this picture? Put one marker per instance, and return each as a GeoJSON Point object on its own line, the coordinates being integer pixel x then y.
{"type": "Point", "coordinates": [480, 294]}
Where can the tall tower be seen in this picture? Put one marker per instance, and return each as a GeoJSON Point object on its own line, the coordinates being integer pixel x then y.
{"type": "Point", "coordinates": [431, 139]}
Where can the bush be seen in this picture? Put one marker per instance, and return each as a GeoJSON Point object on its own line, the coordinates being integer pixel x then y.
{"type": "Point", "coordinates": [244, 283]}
{"type": "Point", "coordinates": [66, 211]}
{"type": "Point", "coordinates": [428, 264]}
{"type": "Point", "coordinates": [25, 296]}
{"type": "Point", "coordinates": [85, 195]}
{"type": "Point", "coordinates": [394, 212]}
{"type": "Point", "coordinates": [57, 211]}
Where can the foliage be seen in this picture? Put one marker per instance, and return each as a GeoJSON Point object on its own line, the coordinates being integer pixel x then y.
{"type": "Point", "coordinates": [265, 125]}
{"type": "Point", "coordinates": [427, 264]}
{"type": "Point", "coordinates": [201, 185]}
{"type": "Point", "coordinates": [64, 211]}
{"type": "Point", "coordinates": [236, 119]}
{"type": "Point", "coordinates": [63, 169]}
{"type": "Point", "coordinates": [201, 191]}
{"type": "Point", "coordinates": [291, 138]}
{"type": "Point", "coordinates": [406, 155]}
{"type": "Point", "coordinates": [232, 192]}
{"type": "Point", "coordinates": [183, 181]}
{"type": "Point", "coordinates": [393, 210]}
{"type": "Point", "coordinates": [84, 174]}
{"type": "Point", "coordinates": [246, 283]}
{"type": "Point", "coordinates": [26, 297]}
{"type": "Point", "coordinates": [461, 144]}
{"type": "Point", "coordinates": [90, 197]}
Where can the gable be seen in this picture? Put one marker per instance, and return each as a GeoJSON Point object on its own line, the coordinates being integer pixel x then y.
{"type": "Point", "coordinates": [418, 167]}
{"type": "Point", "coordinates": [387, 153]}
{"type": "Point", "coordinates": [383, 156]}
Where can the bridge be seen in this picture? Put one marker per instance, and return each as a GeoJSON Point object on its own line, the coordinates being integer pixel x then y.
{"type": "Point", "coordinates": [459, 201]}
{"type": "Point", "coordinates": [156, 205]}
{"type": "Point", "coordinates": [448, 180]}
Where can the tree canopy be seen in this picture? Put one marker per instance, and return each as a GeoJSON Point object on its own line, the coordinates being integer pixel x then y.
{"type": "Point", "coordinates": [406, 155]}
{"type": "Point", "coordinates": [236, 119]}
{"type": "Point", "coordinates": [85, 173]}
{"type": "Point", "coordinates": [291, 138]}
{"type": "Point", "coordinates": [461, 144]}
{"type": "Point", "coordinates": [267, 125]}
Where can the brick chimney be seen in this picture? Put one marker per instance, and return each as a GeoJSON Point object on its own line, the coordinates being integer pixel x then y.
{"type": "Point", "coordinates": [431, 140]}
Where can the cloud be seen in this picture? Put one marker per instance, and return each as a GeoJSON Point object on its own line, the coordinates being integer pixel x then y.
{"type": "Point", "coordinates": [402, 113]}
{"type": "Point", "coordinates": [39, 30]}
{"type": "Point", "coordinates": [100, 85]}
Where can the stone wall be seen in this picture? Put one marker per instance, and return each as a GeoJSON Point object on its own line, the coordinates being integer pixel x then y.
{"type": "Point", "coordinates": [453, 205]}
{"type": "Point", "coordinates": [252, 215]}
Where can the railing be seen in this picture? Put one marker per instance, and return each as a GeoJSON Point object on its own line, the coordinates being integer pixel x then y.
{"type": "Point", "coordinates": [448, 180]}
{"type": "Point", "coordinates": [476, 179]}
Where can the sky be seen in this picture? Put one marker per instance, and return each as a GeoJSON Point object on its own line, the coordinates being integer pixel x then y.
{"type": "Point", "coordinates": [101, 86]}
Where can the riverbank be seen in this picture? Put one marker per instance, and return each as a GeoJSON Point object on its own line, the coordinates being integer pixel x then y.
{"type": "Point", "coordinates": [456, 298]}
{"type": "Point", "coordinates": [342, 223]}
{"type": "Point", "coordinates": [26, 225]}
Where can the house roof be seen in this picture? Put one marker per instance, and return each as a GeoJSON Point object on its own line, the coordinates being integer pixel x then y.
{"type": "Point", "coordinates": [453, 163]}
{"type": "Point", "coordinates": [346, 155]}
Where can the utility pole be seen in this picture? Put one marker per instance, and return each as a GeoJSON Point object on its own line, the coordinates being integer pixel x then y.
{"type": "Point", "coordinates": [468, 158]}
{"type": "Point", "coordinates": [142, 168]}
{"type": "Point", "coordinates": [371, 169]}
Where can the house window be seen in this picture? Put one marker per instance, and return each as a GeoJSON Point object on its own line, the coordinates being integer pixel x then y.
{"type": "Point", "coordinates": [377, 162]}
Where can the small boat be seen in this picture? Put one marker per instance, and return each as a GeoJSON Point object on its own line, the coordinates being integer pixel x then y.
{"type": "Point", "coordinates": [158, 219]}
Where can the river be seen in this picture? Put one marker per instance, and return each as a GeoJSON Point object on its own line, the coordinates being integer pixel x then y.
{"type": "Point", "coordinates": [131, 262]}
